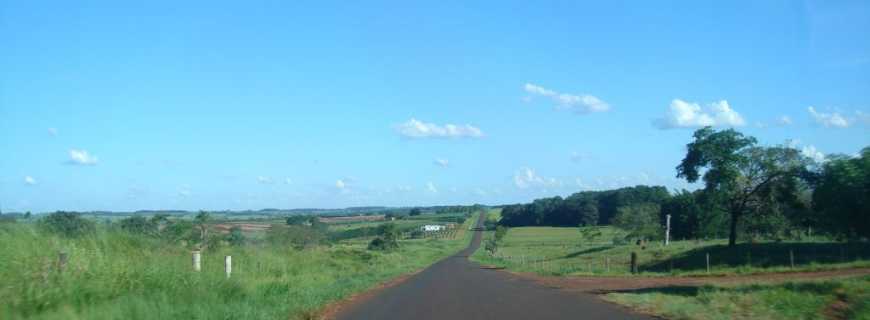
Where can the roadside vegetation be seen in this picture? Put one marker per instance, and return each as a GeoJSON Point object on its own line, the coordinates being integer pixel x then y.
{"type": "Point", "coordinates": [140, 267]}
{"type": "Point", "coordinates": [828, 299]}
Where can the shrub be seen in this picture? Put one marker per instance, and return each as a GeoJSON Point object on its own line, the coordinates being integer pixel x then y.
{"type": "Point", "coordinates": [236, 237]}
{"type": "Point", "coordinates": [68, 224]}
{"type": "Point", "coordinates": [138, 225]}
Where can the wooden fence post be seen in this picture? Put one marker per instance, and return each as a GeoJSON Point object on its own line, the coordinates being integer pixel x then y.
{"type": "Point", "coordinates": [62, 259]}
{"type": "Point", "coordinates": [791, 257]}
{"type": "Point", "coordinates": [607, 264]}
{"type": "Point", "coordinates": [633, 262]}
{"type": "Point", "coordinates": [228, 265]}
{"type": "Point", "coordinates": [197, 261]}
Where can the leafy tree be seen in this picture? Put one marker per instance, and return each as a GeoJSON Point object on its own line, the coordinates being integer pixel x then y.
{"type": "Point", "coordinates": [138, 225]}
{"type": "Point", "coordinates": [27, 215]}
{"type": "Point", "coordinates": [842, 195]}
{"type": "Point", "coordinates": [236, 237]}
{"type": "Point", "coordinates": [641, 221]}
{"type": "Point", "coordinates": [202, 218]}
{"type": "Point", "coordinates": [297, 220]}
{"type": "Point", "coordinates": [500, 232]}
{"type": "Point", "coordinates": [388, 238]}
{"type": "Point", "coordinates": [68, 224]}
{"type": "Point", "coordinates": [414, 212]}
{"type": "Point", "coordinates": [740, 175]}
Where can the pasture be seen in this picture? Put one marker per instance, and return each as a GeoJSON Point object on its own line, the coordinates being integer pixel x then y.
{"type": "Point", "coordinates": [603, 251]}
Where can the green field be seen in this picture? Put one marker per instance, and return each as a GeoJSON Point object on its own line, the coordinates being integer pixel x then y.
{"type": "Point", "coordinates": [830, 299]}
{"type": "Point", "coordinates": [115, 275]}
{"type": "Point", "coordinates": [601, 251]}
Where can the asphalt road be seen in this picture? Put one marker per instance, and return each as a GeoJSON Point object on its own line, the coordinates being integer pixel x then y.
{"type": "Point", "coordinates": [456, 288]}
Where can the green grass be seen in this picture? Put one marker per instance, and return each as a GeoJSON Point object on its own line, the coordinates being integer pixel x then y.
{"type": "Point", "coordinates": [113, 275]}
{"type": "Point", "coordinates": [794, 300]}
{"type": "Point", "coordinates": [565, 251]}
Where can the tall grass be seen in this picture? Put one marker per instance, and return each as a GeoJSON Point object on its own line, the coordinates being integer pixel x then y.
{"type": "Point", "coordinates": [115, 275]}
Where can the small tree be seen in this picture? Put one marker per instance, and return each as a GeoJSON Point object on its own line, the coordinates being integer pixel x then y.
{"type": "Point", "coordinates": [138, 225]}
{"type": "Point", "coordinates": [414, 212]}
{"type": "Point", "coordinates": [201, 220]}
{"type": "Point", "coordinates": [388, 238]}
{"type": "Point", "coordinates": [236, 237]}
{"type": "Point", "coordinates": [68, 224]}
{"type": "Point", "coordinates": [641, 221]}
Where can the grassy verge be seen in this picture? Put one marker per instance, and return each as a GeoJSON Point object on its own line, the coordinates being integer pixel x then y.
{"type": "Point", "coordinates": [114, 275]}
{"type": "Point", "coordinates": [837, 299]}
{"type": "Point", "coordinates": [599, 251]}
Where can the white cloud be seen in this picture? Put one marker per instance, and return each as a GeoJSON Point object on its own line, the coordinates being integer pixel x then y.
{"type": "Point", "coordinates": [82, 157]}
{"type": "Point", "coordinates": [431, 187]}
{"type": "Point", "coordinates": [578, 157]}
{"type": "Point", "coordinates": [340, 184]}
{"type": "Point", "coordinates": [418, 129]}
{"type": "Point", "coordinates": [579, 103]}
{"type": "Point", "coordinates": [784, 121]}
{"type": "Point", "coordinates": [811, 152]}
{"type": "Point", "coordinates": [684, 114]}
{"type": "Point", "coordinates": [52, 132]}
{"type": "Point", "coordinates": [29, 180]}
{"type": "Point", "coordinates": [288, 181]}
{"type": "Point", "coordinates": [441, 162]}
{"type": "Point", "coordinates": [526, 178]}
{"type": "Point", "coordinates": [265, 180]}
{"type": "Point", "coordinates": [829, 119]}
{"type": "Point", "coordinates": [761, 125]}
{"type": "Point", "coordinates": [184, 191]}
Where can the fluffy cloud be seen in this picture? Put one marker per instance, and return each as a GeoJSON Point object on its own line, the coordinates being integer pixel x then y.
{"type": "Point", "coordinates": [82, 157]}
{"type": "Point", "coordinates": [29, 180]}
{"type": "Point", "coordinates": [264, 180]}
{"type": "Point", "coordinates": [684, 114]}
{"type": "Point", "coordinates": [829, 119]}
{"type": "Point", "coordinates": [441, 162]}
{"type": "Point", "coordinates": [340, 184]}
{"type": "Point", "coordinates": [527, 178]}
{"type": "Point", "coordinates": [418, 129]}
{"type": "Point", "coordinates": [184, 191]}
{"type": "Point", "coordinates": [431, 187]}
{"type": "Point", "coordinates": [578, 157]}
{"type": "Point", "coordinates": [784, 121]}
{"type": "Point", "coordinates": [288, 181]}
{"type": "Point", "coordinates": [582, 103]}
{"type": "Point", "coordinates": [52, 132]}
{"type": "Point", "coordinates": [812, 153]}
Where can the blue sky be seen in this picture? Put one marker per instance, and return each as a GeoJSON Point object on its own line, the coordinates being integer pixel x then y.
{"type": "Point", "coordinates": [249, 105]}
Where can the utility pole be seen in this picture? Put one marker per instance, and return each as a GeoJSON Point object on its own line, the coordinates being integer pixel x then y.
{"type": "Point", "coordinates": [667, 229]}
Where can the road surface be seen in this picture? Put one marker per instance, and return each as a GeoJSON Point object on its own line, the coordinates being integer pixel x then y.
{"type": "Point", "coordinates": [456, 288]}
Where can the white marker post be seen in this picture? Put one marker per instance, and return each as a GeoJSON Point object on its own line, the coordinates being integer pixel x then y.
{"type": "Point", "coordinates": [197, 261]}
{"type": "Point", "coordinates": [667, 229]}
{"type": "Point", "coordinates": [228, 265]}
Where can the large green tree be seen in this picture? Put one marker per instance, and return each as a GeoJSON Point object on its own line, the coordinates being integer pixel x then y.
{"type": "Point", "coordinates": [743, 177]}
{"type": "Point", "coordinates": [842, 195]}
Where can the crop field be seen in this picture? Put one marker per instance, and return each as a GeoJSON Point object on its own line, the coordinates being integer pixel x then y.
{"type": "Point", "coordinates": [112, 274]}
{"type": "Point", "coordinates": [602, 250]}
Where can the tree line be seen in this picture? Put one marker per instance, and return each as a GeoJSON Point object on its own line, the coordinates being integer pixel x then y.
{"type": "Point", "coordinates": [748, 191]}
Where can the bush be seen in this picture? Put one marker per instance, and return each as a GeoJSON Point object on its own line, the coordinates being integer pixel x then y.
{"type": "Point", "coordinates": [297, 236]}
{"type": "Point", "coordinates": [236, 237]}
{"type": "Point", "coordinates": [68, 224]}
{"type": "Point", "coordinates": [641, 221]}
{"type": "Point", "coordinates": [138, 225]}
{"type": "Point", "coordinates": [500, 232]}
{"type": "Point", "coordinates": [388, 239]}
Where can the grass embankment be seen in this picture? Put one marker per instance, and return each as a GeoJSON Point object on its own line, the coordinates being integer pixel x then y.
{"type": "Point", "coordinates": [830, 299]}
{"type": "Point", "coordinates": [598, 251]}
{"type": "Point", "coordinates": [114, 275]}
